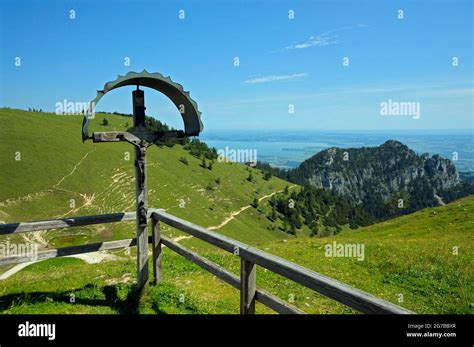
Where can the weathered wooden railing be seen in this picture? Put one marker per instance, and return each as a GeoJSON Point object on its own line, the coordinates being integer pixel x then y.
{"type": "Point", "coordinates": [250, 257]}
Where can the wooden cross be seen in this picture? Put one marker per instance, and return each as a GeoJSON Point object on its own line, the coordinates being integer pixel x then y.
{"type": "Point", "coordinates": [141, 139]}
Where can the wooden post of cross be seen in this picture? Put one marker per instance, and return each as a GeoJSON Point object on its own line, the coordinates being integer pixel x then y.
{"type": "Point", "coordinates": [141, 139]}
{"type": "Point", "coordinates": [141, 189]}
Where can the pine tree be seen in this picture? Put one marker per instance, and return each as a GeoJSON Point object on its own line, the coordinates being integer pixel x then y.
{"type": "Point", "coordinates": [292, 229]}
{"type": "Point", "coordinates": [285, 225]}
{"type": "Point", "coordinates": [273, 215]}
{"type": "Point", "coordinates": [250, 177]}
{"type": "Point", "coordinates": [255, 203]}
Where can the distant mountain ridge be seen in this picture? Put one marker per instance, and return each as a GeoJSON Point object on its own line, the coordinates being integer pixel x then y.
{"type": "Point", "coordinates": [387, 180]}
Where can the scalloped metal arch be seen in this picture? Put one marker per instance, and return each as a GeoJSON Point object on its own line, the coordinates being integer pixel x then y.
{"type": "Point", "coordinates": [174, 91]}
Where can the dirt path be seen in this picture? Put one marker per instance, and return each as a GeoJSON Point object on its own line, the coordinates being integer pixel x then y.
{"type": "Point", "coordinates": [88, 200]}
{"type": "Point", "coordinates": [89, 258]}
{"type": "Point", "coordinates": [27, 197]}
{"type": "Point", "coordinates": [232, 215]}
{"type": "Point", "coordinates": [31, 196]}
{"type": "Point", "coordinates": [36, 237]}
{"type": "Point", "coordinates": [96, 257]}
{"type": "Point", "coordinates": [74, 168]}
{"type": "Point", "coordinates": [184, 237]}
{"type": "Point", "coordinates": [15, 269]}
{"type": "Point", "coordinates": [239, 211]}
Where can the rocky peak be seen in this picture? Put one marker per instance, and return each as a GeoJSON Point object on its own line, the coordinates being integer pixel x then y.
{"type": "Point", "coordinates": [378, 173]}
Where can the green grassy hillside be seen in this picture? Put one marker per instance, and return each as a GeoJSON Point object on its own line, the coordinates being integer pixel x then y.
{"type": "Point", "coordinates": [410, 258]}
{"type": "Point", "coordinates": [57, 176]}
{"type": "Point", "coordinates": [423, 259]}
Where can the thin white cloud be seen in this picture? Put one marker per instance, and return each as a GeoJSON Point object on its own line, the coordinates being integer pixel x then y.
{"type": "Point", "coordinates": [327, 38]}
{"type": "Point", "coordinates": [273, 78]}
{"type": "Point", "coordinates": [315, 41]}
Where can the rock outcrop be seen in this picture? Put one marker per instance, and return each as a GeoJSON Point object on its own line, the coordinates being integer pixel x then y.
{"type": "Point", "coordinates": [374, 176]}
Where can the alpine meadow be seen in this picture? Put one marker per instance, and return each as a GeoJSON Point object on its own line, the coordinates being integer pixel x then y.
{"type": "Point", "coordinates": [437, 280]}
{"type": "Point", "coordinates": [246, 171]}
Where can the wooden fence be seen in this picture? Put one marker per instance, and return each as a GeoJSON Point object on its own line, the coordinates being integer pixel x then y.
{"type": "Point", "coordinates": [249, 256]}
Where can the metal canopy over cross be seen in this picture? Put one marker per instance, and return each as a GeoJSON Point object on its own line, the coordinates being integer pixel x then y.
{"type": "Point", "coordinates": [142, 138]}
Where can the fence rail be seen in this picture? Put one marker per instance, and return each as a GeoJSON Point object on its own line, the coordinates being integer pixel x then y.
{"type": "Point", "coordinates": [250, 257]}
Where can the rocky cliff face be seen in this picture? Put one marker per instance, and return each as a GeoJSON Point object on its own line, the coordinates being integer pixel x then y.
{"type": "Point", "coordinates": [375, 175]}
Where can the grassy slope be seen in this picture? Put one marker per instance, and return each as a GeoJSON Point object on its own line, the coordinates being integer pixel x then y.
{"type": "Point", "coordinates": [56, 167]}
{"type": "Point", "coordinates": [411, 255]}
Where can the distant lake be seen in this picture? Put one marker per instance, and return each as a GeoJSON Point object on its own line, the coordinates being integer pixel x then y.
{"type": "Point", "coordinates": [287, 149]}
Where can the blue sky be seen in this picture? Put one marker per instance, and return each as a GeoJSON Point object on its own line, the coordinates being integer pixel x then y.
{"type": "Point", "coordinates": [282, 61]}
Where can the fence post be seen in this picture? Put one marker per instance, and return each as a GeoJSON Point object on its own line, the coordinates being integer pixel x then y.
{"type": "Point", "coordinates": [248, 276]}
{"type": "Point", "coordinates": [156, 248]}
